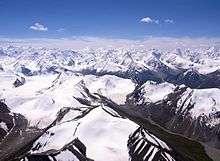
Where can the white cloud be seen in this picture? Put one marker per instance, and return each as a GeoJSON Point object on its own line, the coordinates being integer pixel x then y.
{"type": "Point", "coordinates": [38, 27]}
{"type": "Point", "coordinates": [149, 20]}
{"type": "Point", "coordinates": [169, 21]}
{"type": "Point", "coordinates": [61, 30]}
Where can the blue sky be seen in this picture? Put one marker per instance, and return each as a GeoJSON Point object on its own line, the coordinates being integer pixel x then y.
{"type": "Point", "coordinates": [109, 18]}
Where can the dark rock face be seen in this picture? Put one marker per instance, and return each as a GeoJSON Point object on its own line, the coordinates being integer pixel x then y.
{"type": "Point", "coordinates": [76, 147]}
{"type": "Point", "coordinates": [194, 79]}
{"type": "Point", "coordinates": [141, 148]}
{"type": "Point", "coordinates": [4, 108]}
{"type": "Point", "coordinates": [1, 68]}
{"type": "Point", "coordinates": [168, 114]}
{"type": "Point", "coordinates": [26, 71]}
{"type": "Point", "coordinates": [6, 121]}
{"type": "Point", "coordinates": [191, 78]}
{"type": "Point", "coordinates": [14, 127]}
{"type": "Point", "coordinates": [19, 82]}
{"type": "Point", "coordinates": [17, 139]}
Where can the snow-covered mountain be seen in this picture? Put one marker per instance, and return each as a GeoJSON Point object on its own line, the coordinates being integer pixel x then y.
{"type": "Point", "coordinates": [119, 104]}
{"type": "Point", "coordinates": [192, 68]}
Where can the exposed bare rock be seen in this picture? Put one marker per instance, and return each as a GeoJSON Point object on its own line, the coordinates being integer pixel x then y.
{"type": "Point", "coordinates": [19, 82]}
